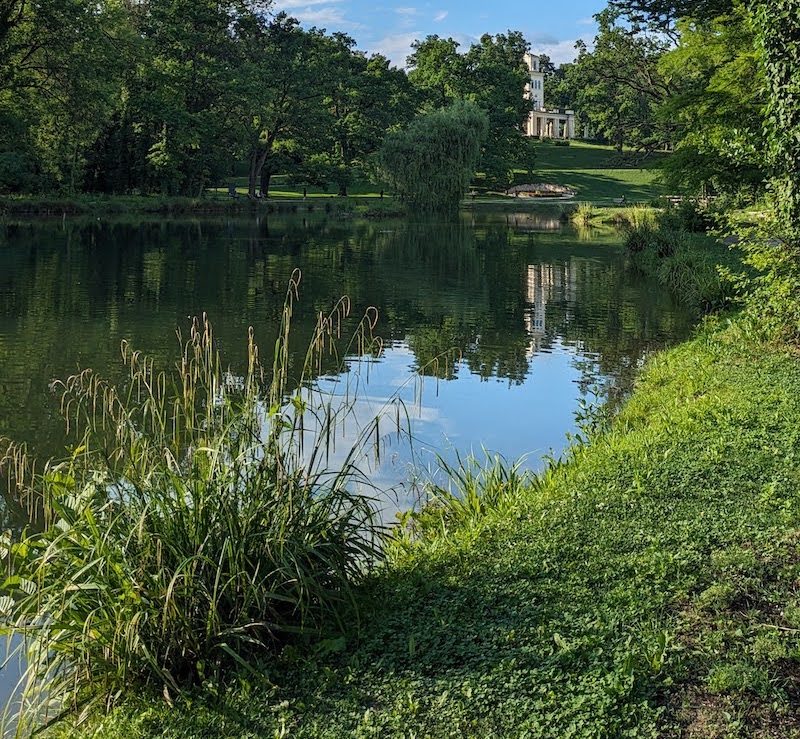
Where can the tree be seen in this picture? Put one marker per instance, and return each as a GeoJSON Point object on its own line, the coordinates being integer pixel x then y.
{"type": "Point", "coordinates": [492, 74]}
{"type": "Point", "coordinates": [497, 76]}
{"type": "Point", "coordinates": [619, 83]}
{"type": "Point", "coordinates": [437, 71]}
{"type": "Point", "coordinates": [429, 164]}
{"type": "Point", "coordinates": [663, 15]}
{"type": "Point", "coordinates": [716, 108]}
{"type": "Point", "coordinates": [61, 63]}
{"type": "Point", "coordinates": [366, 97]}
{"type": "Point", "coordinates": [281, 85]}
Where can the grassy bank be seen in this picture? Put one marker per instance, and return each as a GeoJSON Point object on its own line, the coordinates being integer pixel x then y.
{"type": "Point", "coordinates": [646, 587]}
{"type": "Point", "coordinates": [212, 204]}
{"type": "Point", "coordinates": [598, 173]}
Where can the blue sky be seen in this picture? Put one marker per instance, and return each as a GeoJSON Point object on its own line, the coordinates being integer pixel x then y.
{"type": "Point", "coordinates": [552, 26]}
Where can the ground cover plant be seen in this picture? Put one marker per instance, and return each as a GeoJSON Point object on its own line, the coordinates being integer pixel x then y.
{"type": "Point", "coordinates": [192, 528]}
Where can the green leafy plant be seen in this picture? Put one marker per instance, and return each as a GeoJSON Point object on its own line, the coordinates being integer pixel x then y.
{"type": "Point", "coordinates": [191, 532]}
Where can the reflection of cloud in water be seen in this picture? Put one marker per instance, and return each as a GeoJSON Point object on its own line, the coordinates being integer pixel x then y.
{"type": "Point", "coordinates": [444, 417]}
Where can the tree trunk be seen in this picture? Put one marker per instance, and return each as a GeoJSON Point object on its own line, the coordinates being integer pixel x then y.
{"type": "Point", "coordinates": [257, 161]}
{"type": "Point", "coordinates": [266, 176]}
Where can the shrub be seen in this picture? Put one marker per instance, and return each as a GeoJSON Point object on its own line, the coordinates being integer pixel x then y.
{"type": "Point", "coordinates": [189, 533]}
{"type": "Point", "coordinates": [17, 173]}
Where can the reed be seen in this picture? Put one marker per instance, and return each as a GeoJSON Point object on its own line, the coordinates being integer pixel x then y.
{"type": "Point", "coordinates": [191, 532]}
{"type": "Point", "coordinates": [459, 497]}
{"type": "Point", "coordinates": [584, 214]}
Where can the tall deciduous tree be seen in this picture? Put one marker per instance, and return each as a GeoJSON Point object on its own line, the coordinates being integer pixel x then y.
{"type": "Point", "coordinates": [492, 73]}
{"type": "Point", "coordinates": [366, 97]}
{"type": "Point", "coordinates": [281, 85]}
{"type": "Point", "coordinates": [716, 109]}
{"type": "Point", "coordinates": [437, 71]}
{"type": "Point", "coordinates": [619, 83]}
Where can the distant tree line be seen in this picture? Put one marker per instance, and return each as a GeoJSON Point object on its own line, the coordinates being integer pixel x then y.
{"type": "Point", "coordinates": [165, 96]}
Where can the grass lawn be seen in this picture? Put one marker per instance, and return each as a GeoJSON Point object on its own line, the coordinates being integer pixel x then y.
{"type": "Point", "coordinates": [650, 586]}
{"type": "Point", "coordinates": [597, 172]}
{"type": "Point", "coordinates": [280, 189]}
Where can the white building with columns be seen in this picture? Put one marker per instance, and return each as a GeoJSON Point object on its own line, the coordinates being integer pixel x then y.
{"type": "Point", "coordinates": [543, 123]}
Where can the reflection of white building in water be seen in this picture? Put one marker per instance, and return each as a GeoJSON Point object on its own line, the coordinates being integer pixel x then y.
{"type": "Point", "coordinates": [545, 282]}
{"type": "Point", "coordinates": [543, 123]}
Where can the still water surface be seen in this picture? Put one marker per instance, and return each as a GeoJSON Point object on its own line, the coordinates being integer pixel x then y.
{"type": "Point", "coordinates": [511, 318]}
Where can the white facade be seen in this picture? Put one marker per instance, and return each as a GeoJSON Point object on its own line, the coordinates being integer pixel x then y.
{"type": "Point", "coordinates": [543, 123]}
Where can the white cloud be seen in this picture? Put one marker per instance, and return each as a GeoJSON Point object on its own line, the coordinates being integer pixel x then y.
{"type": "Point", "coordinates": [331, 18]}
{"type": "Point", "coordinates": [586, 22]}
{"type": "Point", "coordinates": [440, 16]}
{"type": "Point", "coordinates": [279, 5]}
{"type": "Point", "coordinates": [408, 11]}
{"type": "Point", "coordinates": [395, 47]}
{"type": "Point", "coordinates": [560, 52]}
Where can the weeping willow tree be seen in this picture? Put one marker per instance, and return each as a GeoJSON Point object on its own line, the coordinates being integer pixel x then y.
{"type": "Point", "coordinates": [429, 164]}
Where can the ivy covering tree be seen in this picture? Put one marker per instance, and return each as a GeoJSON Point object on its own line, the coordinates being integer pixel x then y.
{"type": "Point", "coordinates": [430, 164]}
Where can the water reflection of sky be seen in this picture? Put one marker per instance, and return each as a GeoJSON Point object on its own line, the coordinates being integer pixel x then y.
{"type": "Point", "coordinates": [445, 417]}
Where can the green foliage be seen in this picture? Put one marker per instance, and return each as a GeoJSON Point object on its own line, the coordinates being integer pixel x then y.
{"type": "Point", "coordinates": [778, 27]}
{"type": "Point", "coordinates": [774, 251]}
{"type": "Point", "coordinates": [580, 610]}
{"type": "Point", "coordinates": [492, 73]}
{"type": "Point", "coordinates": [191, 532]}
{"type": "Point", "coordinates": [16, 173]}
{"type": "Point", "coordinates": [429, 164]}
{"type": "Point", "coordinates": [616, 86]}
{"type": "Point", "coordinates": [716, 109]}
{"type": "Point", "coordinates": [696, 268]}
{"type": "Point", "coordinates": [663, 13]}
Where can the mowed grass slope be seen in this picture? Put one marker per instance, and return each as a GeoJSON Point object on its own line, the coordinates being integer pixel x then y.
{"type": "Point", "coordinates": [648, 587]}
{"type": "Point", "coordinates": [598, 173]}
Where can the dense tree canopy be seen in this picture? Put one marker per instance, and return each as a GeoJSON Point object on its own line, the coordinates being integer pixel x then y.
{"type": "Point", "coordinates": [492, 73]}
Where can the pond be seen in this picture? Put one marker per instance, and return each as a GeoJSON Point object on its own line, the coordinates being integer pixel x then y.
{"type": "Point", "coordinates": [495, 325]}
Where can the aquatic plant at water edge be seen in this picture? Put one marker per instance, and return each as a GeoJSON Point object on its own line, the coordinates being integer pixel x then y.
{"type": "Point", "coordinates": [459, 496]}
{"type": "Point", "coordinates": [694, 267]}
{"type": "Point", "coordinates": [583, 215]}
{"type": "Point", "coordinates": [190, 533]}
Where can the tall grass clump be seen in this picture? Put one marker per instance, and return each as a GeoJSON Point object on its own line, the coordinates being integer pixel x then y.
{"type": "Point", "coordinates": [694, 267]}
{"type": "Point", "coordinates": [583, 215]}
{"type": "Point", "coordinates": [190, 533]}
{"type": "Point", "coordinates": [459, 497]}
{"type": "Point", "coordinates": [635, 217]}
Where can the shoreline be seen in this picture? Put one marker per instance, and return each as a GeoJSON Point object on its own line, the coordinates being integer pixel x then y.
{"type": "Point", "coordinates": [366, 206]}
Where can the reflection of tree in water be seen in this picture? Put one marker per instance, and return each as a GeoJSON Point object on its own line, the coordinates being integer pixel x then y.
{"type": "Point", "coordinates": [615, 321]}
{"type": "Point", "coordinates": [70, 291]}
